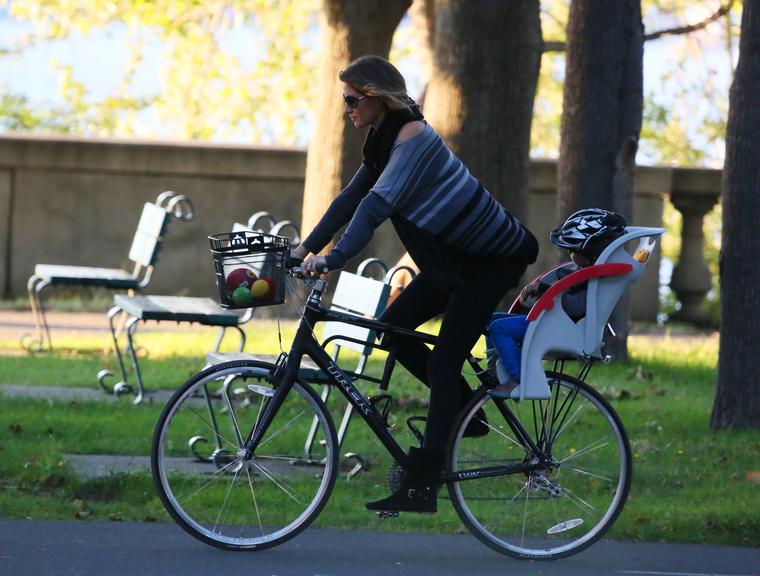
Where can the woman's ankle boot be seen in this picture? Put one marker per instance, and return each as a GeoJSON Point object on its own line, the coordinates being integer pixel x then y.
{"type": "Point", "coordinates": [419, 486]}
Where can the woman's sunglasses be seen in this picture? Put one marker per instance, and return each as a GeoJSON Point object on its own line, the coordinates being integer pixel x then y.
{"type": "Point", "coordinates": [353, 101]}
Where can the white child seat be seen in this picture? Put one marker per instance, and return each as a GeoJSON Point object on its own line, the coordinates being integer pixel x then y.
{"type": "Point", "coordinates": [550, 329]}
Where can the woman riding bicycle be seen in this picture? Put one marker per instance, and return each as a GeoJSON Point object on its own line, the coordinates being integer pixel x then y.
{"type": "Point", "coordinates": [469, 249]}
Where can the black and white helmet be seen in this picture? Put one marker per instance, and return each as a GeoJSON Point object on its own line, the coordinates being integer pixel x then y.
{"type": "Point", "coordinates": [589, 231]}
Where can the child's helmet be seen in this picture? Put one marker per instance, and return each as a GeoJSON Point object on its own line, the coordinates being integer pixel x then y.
{"type": "Point", "coordinates": [589, 231]}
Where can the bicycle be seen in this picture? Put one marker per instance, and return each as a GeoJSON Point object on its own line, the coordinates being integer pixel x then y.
{"type": "Point", "coordinates": [547, 481]}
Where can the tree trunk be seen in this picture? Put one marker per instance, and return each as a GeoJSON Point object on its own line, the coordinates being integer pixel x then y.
{"type": "Point", "coordinates": [601, 118]}
{"type": "Point", "coordinates": [486, 58]}
{"type": "Point", "coordinates": [737, 400]}
{"type": "Point", "coordinates": [349, 29]}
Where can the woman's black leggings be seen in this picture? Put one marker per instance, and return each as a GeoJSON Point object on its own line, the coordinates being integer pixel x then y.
{"type": "Point", "coordinates": [477, 288]}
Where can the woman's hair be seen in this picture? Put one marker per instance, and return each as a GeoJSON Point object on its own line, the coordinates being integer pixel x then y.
{"type": "Point", "coordinates": [375, 76]}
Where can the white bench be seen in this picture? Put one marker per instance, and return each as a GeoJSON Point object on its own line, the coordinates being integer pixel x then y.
{"type": "Point", "coordinates": [204, 311]}
{"type": "Point", "coordinates": [151, 230]}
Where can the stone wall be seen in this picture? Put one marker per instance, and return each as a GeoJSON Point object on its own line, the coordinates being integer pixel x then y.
{"type": "Point", "coordinates": [77, 201]}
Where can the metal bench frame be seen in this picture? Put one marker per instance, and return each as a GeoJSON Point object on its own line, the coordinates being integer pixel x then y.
{"type": "Point", "coordinates": [146, 244]}
{"type": "Point", "coordinates": [204, 311]}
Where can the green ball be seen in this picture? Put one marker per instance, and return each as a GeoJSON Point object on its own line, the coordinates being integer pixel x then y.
{"type": "Point", "coordinates": [242, 297]}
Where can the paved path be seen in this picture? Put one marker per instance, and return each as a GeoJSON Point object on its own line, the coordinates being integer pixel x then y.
{"type": "Point", "coordinates": [40, 548]}
{"type": "Point", "coordinates": [67, 393]}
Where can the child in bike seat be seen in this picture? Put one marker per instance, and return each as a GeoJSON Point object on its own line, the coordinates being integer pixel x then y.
{"type": "Point", "coordinates": [585, 234]}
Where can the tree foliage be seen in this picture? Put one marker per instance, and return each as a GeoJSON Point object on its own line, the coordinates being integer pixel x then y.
{"type": "Point", "coordinates": [685, 107]}
{"type": "Point", "coordinates": [241, 67]}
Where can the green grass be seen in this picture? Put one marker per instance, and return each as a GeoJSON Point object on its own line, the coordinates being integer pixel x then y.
{"type": "Point", "coordinates": [690, 485]}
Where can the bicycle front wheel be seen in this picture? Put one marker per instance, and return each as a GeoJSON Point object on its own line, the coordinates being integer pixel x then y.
{"type": "Point", "coordinates": [209, 487]}
{"type": "Point", "coordinates": [565, 504]}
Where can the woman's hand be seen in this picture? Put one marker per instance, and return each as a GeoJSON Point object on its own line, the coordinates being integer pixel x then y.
{"type": "Point", "coordinates": [315, 265]}
{"type": "Point", "coordinates": [299, 252]}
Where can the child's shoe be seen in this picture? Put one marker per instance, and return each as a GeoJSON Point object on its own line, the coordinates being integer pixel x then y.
{"type": "Point", "coordinates": [504, 390]}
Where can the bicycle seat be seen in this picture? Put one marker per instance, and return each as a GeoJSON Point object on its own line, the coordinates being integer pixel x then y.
{"type": "Point", "coordinates": [552, 332]}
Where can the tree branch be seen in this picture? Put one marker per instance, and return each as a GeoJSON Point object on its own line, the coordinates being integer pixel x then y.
{"type": "Point", "coordinates": [560, 46]}
{"type": "Point", "coordinates": [722, 11]}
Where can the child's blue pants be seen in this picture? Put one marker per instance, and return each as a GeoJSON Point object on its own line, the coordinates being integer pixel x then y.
{"type": "Point", "coordinates": [505, 333]}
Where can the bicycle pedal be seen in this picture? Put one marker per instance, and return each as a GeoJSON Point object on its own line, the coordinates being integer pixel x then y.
{"type": "Point", "coordinates": [385, 514]}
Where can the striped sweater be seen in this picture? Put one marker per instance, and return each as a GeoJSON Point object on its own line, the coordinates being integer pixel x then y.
{"type": "Point", "coordinates": [426, 189]}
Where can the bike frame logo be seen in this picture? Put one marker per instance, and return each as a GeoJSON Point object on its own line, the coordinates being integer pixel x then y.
{"type": "Point", "coordinates": [345, 383]}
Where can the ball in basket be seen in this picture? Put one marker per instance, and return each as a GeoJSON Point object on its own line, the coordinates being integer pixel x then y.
{"type": "Point", "coordinates": [263, 289]}
{"type": "Point", "coordinates": [242, 296]}
{"type": "Point", "coordinates": [240, 277]}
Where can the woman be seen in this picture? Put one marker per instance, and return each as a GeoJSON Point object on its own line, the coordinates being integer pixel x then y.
{"type": "Point", "coordinates": [470, 251]}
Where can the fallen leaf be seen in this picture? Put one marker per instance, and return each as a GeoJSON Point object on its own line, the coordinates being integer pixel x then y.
{"type": "Point", "coordinates": [753, 476]}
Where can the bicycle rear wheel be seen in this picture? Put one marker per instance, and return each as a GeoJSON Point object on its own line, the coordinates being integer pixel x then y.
{"type": "Point", "coordinates": [204, 481]}
{"type": "Point", "coordinates": [567, 503]}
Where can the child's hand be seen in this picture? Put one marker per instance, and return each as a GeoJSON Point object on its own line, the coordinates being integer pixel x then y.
{"type": "Point", "coordinates": [529, 294]}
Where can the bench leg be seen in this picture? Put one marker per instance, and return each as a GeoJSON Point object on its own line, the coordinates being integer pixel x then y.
{"type": "Point", "coordinates": [195, 440]}
{"type": "Point", "coordinates": [219, 338]}
{"type": "Point", "coordinates": [40, 341]}
{"type": "Point", "coordinates": [222, 332]}
{"type": "Point", "coordinates": [315, 424]}
{"type": "Point", "coordinates": [242, 338]}
{"type": "Point", "coordinates": [131, 326]}
{"type": "Point", "coordinates": [105, 373]}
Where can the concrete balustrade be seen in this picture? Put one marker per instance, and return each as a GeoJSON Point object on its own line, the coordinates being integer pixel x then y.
{"type": "Point", "coordinates": [695, 192]}
{"type": "Point", "coordinates": [77, 201]}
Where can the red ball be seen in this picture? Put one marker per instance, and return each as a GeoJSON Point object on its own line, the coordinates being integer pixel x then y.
{"type": "Point", "coordinates": [263, 289]}
{"type": "Point", "coordinates": [240, 277]}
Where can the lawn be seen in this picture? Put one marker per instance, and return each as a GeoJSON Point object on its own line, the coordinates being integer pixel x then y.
{"type": "Point", "coordinates": [690, 485]}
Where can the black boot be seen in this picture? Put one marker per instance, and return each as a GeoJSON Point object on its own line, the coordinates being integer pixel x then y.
{"type": "Point", "coordinates": [419, 486]}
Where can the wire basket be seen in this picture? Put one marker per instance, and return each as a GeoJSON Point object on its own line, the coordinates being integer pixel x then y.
{"type": "Point", "coordinates": [250, 268]}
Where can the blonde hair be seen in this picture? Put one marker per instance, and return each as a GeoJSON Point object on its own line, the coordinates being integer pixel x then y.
{"type": "Point", "coordinates": [375, 76]}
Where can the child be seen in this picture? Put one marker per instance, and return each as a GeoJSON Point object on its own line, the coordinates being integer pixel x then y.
{"type": "Point", "coordinates": [585, 234]}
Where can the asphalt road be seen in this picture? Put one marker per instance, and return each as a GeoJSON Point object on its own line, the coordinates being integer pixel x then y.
{"type": "Point", "coordinates": [44, 548]}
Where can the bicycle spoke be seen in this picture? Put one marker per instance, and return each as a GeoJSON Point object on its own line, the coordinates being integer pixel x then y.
{"type": "Point", "coordinates": [578, 481]}
{"type": "Point", "coordinates": [280, 486]}
{"type": "Point", "coordinates": [239, 504]}
{"type": "Point", "coordinates": [577, 499]}
{"type": "Point", "coordinates": [282, 429]}
{"type": "Point", "coordinates": [214, 477]}
{"type": "Point", "coordinates": [253, 497]}
{"type": "Point", "coordinates": [588, 473]}
{"type": "Point", "coordinates": [601, 443]}
{"type": "Point", "coordinates": [214, 431]}
{"type": "Point", "coordinates": [225, 504]}
{"type": "Point", "coordinates": [567, 423]}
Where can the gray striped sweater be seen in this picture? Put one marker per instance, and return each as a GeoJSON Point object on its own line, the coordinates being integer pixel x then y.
{"type": "Point", "coordinates": [431, 191]}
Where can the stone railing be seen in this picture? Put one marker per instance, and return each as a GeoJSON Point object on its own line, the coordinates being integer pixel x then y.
{"type": "Point", "coordinates": [694, 193]}
{"type": "Point", "coordinates": [77, 201]}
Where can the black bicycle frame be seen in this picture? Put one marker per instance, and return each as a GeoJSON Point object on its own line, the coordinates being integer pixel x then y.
{"type": "Point", "coordinates": [305, 343]}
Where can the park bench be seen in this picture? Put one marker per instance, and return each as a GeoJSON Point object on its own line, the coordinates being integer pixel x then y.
{"type": "Point", "coordinates": [180, 309]}
{"type": "Point", "coordinates": [151, 230]}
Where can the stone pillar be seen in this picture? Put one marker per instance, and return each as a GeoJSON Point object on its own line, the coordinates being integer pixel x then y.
{"type": "Point", "coordinates": [694, 194]}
